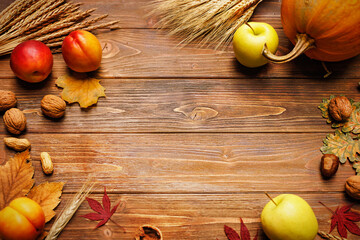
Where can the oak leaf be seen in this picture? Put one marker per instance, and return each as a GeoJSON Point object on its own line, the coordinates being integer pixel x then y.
{"type": "Point", "coordinates": [353, 123]}
{"type": "Point", "coordinates": [342, 145]}
{"type": "Point", "coordinates": [324, 107]}
{"type": "Point", "coordinates": [80, 88]}
{"type": "Point", "coordinates": [16, 178]}
{"type": "Point", "coordinates": [47, 195]}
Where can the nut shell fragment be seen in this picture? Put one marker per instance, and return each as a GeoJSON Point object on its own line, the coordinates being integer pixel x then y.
{"type": "Point", "coordinates": [7, 100]}
{"type": "Point", "coordinates": [352, 186]}
{"type": "Point", "coordinates": [46, 163]}
{"type": "Point", "coordinates": [17, 144]}
{"type": "Point", "coordinates": [340, 108]}
{"type": "Point", "coordinates": [53, 106]}
{"type": "Point", "coordinates": [148, 232]}
{"type": "Point", "coordinates": [15, 121]}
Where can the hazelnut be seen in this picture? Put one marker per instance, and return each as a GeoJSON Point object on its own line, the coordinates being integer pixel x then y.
{"type": "Point", "coordinates": [7, 100]}
{"type": "Point", "coordinates": [352, 186]}
{"type": "Point", "coordinates": [15, 120]}
{"type": "Point", "coordinates": [340, 108]}
{"type": "Point", "coordinates": [329, 165]}
{"type": "Point", "coordinates": [53, 106]}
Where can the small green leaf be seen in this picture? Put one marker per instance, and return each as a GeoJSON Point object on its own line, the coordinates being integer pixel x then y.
{"type": "Point", "coordinates": [342, 145]}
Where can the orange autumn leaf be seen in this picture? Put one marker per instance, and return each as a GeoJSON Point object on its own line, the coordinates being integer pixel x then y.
{"type": "Point", "coordinates": [80, 88]}
{"type": "Point", "coordinates": [16, 178]}
{"type": "Point", "coordinates": [47, 195]}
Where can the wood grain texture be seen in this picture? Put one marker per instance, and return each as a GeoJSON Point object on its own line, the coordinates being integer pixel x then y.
{"type": "Point", "coordinates": [188, 163]}
{"type": "Point", "coordinates": [187, 138]}
{"type": "Point", "coordinates": [177, 105]}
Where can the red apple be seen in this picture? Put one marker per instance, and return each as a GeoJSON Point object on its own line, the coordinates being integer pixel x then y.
{"type": "Point", "coordinates": [31, 61]}
{"type": "Point", "coordinates": [82, 51]}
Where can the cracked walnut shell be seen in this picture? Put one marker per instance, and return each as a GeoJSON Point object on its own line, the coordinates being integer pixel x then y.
{"type": "Point", "coordinates": [15, 120]}
{"type": "Point", "coordinates": [340, 108]}
{"type": "Point", "coordinates": [7, 100]}
{"type": "Point", "coordinates": [53, 106]}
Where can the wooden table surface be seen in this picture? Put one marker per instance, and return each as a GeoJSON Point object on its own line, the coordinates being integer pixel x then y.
{"type": "Point", "coordinates": [187, 138]}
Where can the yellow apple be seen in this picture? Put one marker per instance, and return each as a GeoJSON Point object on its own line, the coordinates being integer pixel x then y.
{"type": "Point", "coordinates": [291, 218]}
{"type": "Point", "coordinates": [248, 43]}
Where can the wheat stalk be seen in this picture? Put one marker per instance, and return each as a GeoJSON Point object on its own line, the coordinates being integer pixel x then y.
{"type": "Point", "coordinates": [329, 236]}
{"type": "Point", "coordinates": [69, 210]}
{"type": "Point", "coordinates": [43, 20]}
{"type": "Point", "coordinates": [208, 22]}
{"type": "Point", "coordinates": [13, 10]}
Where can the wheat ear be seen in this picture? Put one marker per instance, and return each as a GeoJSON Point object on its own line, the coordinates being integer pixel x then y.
{"type": "Point", "coordinates": [329, 236]}
{"type": "Point", "coordinates": [69, 210]}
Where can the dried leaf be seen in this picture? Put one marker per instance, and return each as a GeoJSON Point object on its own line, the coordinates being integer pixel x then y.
{"type": "Point", "coordinates": [353, 123]}
{"type": "Point", "coordinates": [324, 107]}
{"type": "Point", "coordinates": [231, 234]}
{"type": "Point", "coordinates": [80, 88]}
{"type": "Point", "coordinates": [16, 178]}
{"type": "Point", "coordinates": [356, 166]}
{"type": "Point", "coordinates": [103, 213]}
{"type": "Point", "coordinates": [344, 219]}
{"type": "Point", "coordinates": [342, 145]}
{"type": "Point", "coordinates": [48, 196]}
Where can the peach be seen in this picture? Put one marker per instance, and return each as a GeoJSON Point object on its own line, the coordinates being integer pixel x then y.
{"type": "Point", "coordinates": [82, 51]}
{"type": "Point", "coordinates": [31, 61]}
{"type": "Point", "coordinates": [23, 219]}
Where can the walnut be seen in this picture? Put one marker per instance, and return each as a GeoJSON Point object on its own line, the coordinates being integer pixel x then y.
{"type": "Point", "coordinates": [7, 100]}
{"type": "Point", "coordinates": [340, 108]}
{"type": "Point", "coordinates": [329, 165]}
{"type": "Point", "coordinates": [352, 186]}
{"type": "Point", "coordinates": [15, 120]}
{"type": "Point", "coordinates": [53, 106]}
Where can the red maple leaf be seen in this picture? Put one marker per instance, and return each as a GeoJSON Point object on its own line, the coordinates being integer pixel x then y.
{"type": "Point", "coordinates": [231, 234]}
{"type": "Point", "coordinates": [102, 213]}
{"type": "Point", "coordinates": [344, 219]}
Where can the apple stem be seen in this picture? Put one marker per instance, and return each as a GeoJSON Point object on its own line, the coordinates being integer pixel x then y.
{"type": "Point", "coordinates": [303, 43]}
{"type": "Point", "coordinates": [327, 207]}
{"type": "Point", "coordinates": [250, 27]}
{"type": "Point", "coordinates": [270, 198]}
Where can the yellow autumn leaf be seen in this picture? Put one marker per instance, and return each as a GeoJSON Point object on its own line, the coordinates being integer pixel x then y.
{"type": "Point", "coordinates": [47, 195]}
{"type": "Point", "coordinates": [80, 88]}
{"type": "Point", "coordinates": [16, 178]}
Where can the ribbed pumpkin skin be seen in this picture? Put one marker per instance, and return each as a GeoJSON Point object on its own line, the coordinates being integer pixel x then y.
{"type": "Point", "coordinates": [333, 24]}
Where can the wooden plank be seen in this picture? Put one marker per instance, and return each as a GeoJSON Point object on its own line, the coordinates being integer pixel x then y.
{"type": "Point", "coordinates": [189, 216]}
{"type": "Point", "coordinates": [187, 163]}
{"type": "Point", "coordinates": [189, 105]}
{"type": "Point", "coordinates": [150, 53]}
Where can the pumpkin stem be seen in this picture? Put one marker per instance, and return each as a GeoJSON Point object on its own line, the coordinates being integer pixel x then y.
{"type": "Point", "coordinates": [303, 43]}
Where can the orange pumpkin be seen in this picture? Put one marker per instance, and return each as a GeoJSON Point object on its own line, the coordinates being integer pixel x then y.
{"type": "Point", "coordinates": [326, 30]}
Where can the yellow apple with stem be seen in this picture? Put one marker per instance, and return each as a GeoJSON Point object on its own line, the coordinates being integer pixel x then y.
{"type": "Point", "coordinates": [249, 40]}
{"type": "Point", "coordinates": [289, 217]}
